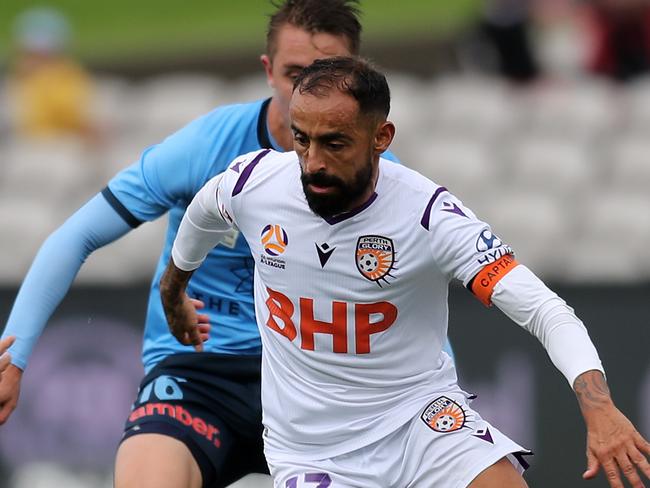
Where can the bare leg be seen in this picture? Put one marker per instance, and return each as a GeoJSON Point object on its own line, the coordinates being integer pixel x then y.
{"type": "Point", "coordinates": [501, 474]}
{"type": "Point", "coordinates": [155, 461]}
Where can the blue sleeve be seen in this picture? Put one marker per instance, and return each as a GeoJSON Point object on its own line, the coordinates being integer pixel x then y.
{"type": "Point", "coordinates": [58, 261]}
{"type": "Point", "coordinates": [165, 174]}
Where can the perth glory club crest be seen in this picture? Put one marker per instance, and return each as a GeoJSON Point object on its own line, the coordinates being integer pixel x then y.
{"type": "Point", "coordinates": [375, 258]}
{"type": "Point", "coordinates": [444, 415]}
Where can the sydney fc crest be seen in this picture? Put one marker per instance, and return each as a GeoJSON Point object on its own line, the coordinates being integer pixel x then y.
{"type": "Point", "coordinates": [375, 258]}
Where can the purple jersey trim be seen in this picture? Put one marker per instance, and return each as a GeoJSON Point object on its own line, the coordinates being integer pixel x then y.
{"type": "Point", "coordinates": [519, 456]}
{"type": "Point", "coordinates": [346, 215]}
{"type": "Point", "coordinates": [243, 178]}
{"type": "Point", "coordinates": [426, 216]}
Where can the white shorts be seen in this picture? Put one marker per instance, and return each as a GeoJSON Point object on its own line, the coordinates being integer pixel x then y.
{"type": "Point", "coordinates": [447, 445]}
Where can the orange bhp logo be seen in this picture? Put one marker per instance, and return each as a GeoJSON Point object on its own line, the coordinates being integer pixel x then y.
{"type": "Point", "coordinates": [375, 257]}
{"type": "Point", "coordinates": [444, 415]}
{"type": "Point", "coordinates": [274, 240]}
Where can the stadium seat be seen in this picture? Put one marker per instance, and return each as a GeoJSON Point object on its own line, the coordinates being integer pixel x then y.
{"type": "Point", "coordinates": [636, 105]}
{"type": "Point", "coordinates": [121, 153]}
{"type": "Point", "coordinates": [535, 226]}
{"type": "Point", "coordinates": [130, 259]}
{"type": "Point", "coordinates": [61, 172]}
{"type": "Point", "coordinates": [26, 222]}
{"type": "Point", "coordinates": [462, 166]}
{"type": "Point", "coordinates": [629, 164]}
{"type": "Point", "coordinates": [473, 106]}
{"type": "Point", "coordinates": [411, 112]}
{"type": "Point", "coordinates": [113, 105]}
{"type": "Point", "coordinates": [553, 166]}
{"type": "Point", "coordinates": [246, 89]}
{"type": "Point", "coordinates": [581, 109]}
{"type": "Point", "coordinates": [612, 241]}
{"type": "Point", "coordinates": [165, 103]}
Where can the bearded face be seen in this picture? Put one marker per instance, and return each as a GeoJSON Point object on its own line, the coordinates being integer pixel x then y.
{"type": "Point", "coordinates": [329, 195]}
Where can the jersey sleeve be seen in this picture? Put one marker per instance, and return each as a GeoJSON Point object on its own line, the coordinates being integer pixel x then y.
{"type": "Point", "coordinates": [210, 215]}
{"type": "Point", "coordinates": [165, 174]}
{"type": "Point", "coordinates": [54, 268]}
{"type": "Point", "coordinates": [464, 247]}
{"type": "Point", "coordinates": [234, 183]}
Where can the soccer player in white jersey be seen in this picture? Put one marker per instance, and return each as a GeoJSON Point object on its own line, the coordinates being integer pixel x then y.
{"type": "Point", "coordinates": [354, 256]}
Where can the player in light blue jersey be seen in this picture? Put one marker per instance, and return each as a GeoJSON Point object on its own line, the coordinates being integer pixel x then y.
{"type": "Point", "coordinates": [197, 414]}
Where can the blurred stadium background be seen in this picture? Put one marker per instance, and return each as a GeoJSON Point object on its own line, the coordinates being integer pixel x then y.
{"type": "Point", "coordinates": [558, 161]}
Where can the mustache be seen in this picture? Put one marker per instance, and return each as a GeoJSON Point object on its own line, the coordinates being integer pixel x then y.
{"type": "Point", "coordinates": [321, 178]}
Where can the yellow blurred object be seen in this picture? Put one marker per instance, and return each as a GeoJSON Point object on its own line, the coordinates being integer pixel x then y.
{"type": "Point", "coordinates": [51, 96]}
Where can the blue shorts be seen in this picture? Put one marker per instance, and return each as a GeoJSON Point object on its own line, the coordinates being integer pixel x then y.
{"type": "Point", "coordinates": [211, 403]}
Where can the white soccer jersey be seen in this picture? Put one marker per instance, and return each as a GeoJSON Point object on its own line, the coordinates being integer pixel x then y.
{"type": "Point", "coordinates": [352, 311]}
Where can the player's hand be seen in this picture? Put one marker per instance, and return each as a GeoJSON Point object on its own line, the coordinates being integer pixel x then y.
{"type": "Point", "coordinates": [10, 377]}
{"type": "Point", "coordinates": [186, 324]}
{"type": "Point", "coordinates": [613, 444]}
{"type": "Point", "coordinates": [5, 358]}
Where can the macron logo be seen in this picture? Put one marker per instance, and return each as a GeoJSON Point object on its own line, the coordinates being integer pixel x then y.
{"type": "Point", "coordinates": [453, 208]}
{"type": "Point", "coordinates": [324, 253]}
{"type": "Point", "coordinates": [237, 166]}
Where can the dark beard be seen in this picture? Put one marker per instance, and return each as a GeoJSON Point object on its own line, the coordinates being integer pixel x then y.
{"type": "Point", "coordinates": [341, 199]}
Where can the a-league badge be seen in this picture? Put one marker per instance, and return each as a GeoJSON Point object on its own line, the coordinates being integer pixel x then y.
{"type": "Point", "coordinates": [375, 257]}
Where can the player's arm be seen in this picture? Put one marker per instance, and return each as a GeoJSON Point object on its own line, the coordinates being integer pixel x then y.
{"type": "Point", "coordinates": [202, 228]}
{"type": "Point", "coordinates": [48, 280]}
{"type": "Point", "coordinates": [613, 443]}
{"type": "Point", "coordinates": [466, 249]}
{"type": "Point", "coordinates": [139, 193]}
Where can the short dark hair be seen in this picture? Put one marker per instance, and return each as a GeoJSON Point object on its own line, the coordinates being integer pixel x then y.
{"type": "Point", "coordinates": [349, 74]}
{"type": "Point", "coordinates": [336, 17]}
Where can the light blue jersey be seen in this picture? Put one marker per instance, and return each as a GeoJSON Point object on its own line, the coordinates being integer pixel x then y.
{"type": "Point", "coordinates": [165, 179]}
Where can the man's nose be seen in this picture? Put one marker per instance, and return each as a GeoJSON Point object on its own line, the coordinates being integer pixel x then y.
{"type": "Point", "coordinates": [314, 162]}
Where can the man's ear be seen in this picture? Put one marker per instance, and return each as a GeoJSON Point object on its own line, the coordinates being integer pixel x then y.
{"type": "Point", "coordinates": [268, 69]}
{"type": "Point", "coordinates": [384, 136]}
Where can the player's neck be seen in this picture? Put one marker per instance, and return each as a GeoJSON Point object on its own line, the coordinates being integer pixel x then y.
{"type": "Point", "coordinates": [280, 130]}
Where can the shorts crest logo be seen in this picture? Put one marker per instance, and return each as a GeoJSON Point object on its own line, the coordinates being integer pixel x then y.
{"type": "Point", "coordinates": [444, 415]}
{"type": "Point", "coordinates": [375, 257]}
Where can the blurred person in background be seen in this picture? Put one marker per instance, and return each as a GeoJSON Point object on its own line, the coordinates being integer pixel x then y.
{"type": "Point", "coordinates": [618, 37]}
{"type": "Point", "coordinates": [50, 91]}
{"type": "Point", "coordinates": [505, 26]}
{"type": "Point", "coordinates": [197, 418]}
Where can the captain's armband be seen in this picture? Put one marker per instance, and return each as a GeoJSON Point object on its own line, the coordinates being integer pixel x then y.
{"type": "Point", "coordinates": [482, 285]}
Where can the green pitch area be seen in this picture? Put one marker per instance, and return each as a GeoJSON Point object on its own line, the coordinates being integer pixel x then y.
{"type": "Point", "coordinates": [122, 30]}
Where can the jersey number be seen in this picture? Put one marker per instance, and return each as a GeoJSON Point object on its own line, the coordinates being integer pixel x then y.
{"type": "Point", "coordinates": [319, 480]}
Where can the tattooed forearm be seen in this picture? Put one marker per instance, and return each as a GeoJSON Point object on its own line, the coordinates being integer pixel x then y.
{"type": "Point", "coordinates": [173, 283]}
{"type": "Point", "coordinates": [591, 390]}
